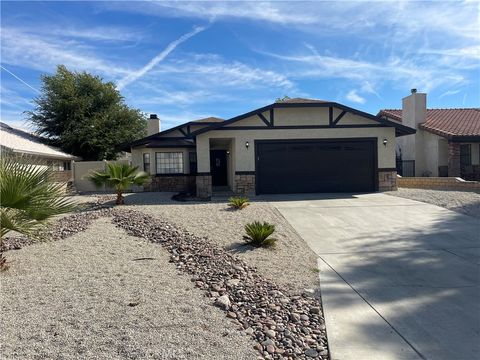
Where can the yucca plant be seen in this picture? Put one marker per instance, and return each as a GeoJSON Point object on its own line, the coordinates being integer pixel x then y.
{"type": "Point", "coordinates": [258, 234]}
{"type": "Point", "coordinates": [238, 202]}
{"type": "Point", "coordinates": [119, 176]}
{"type": "Point", "coordinates": [28, 197]}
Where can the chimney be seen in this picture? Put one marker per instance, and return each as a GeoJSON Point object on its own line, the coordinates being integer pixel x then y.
{"type": "Point", "coordinates": [414, 109]}
{"type": "Point", "coordinates": [153, 125]}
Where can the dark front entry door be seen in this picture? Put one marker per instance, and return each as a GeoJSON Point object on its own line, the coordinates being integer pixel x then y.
{"type": "Point", "coordinates": [218, 167]}
{"type": "Point", "coordinates": [308, 166]}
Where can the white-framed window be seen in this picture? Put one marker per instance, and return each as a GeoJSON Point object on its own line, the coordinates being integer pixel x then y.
{"type": "Point", "coordinates": [169, 162]}
{"type": "Point", "coordinates": [146, 163]}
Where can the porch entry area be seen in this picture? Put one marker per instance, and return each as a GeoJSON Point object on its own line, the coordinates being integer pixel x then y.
{"type": "Point", "coordinates": [221, 164]}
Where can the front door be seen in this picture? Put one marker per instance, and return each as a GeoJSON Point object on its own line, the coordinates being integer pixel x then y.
{"type": "Point", "coordinates": [218, 167]}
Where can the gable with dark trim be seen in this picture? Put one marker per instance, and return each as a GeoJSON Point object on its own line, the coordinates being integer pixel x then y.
{"type": "Point", "coordinates": [400, 129]}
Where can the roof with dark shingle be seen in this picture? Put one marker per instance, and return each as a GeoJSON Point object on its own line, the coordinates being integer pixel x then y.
{"type": "Point", "coordinates": [300, 101]}
{"type": "Point", "coordinates": [210, 119]}
{"type": "Point", "coordinates": [445, 122]}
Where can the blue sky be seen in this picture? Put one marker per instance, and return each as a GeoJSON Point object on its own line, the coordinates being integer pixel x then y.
{"type": "Point", "coordinates": [187, 60]}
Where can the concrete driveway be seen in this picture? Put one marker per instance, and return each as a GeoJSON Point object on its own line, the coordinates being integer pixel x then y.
{"type": "Point", "coordinates": [399, 278]}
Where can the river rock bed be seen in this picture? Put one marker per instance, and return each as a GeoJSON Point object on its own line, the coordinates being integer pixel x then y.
{"type": "Point", "coordinates": [285, 326]}
{"type": "Point", "coordinates": [58, 230]}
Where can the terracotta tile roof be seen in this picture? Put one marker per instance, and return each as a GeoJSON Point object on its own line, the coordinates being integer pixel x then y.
{"type": "Point", "coordinates": [445, 122]}
{"type": "Point", "coordinates": [301, 101]}
{"type": "Point", "coordinates": [209, 120]}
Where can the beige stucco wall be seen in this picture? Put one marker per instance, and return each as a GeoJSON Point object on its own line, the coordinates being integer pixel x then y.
{"type": "Point", "coordinates": [427, 157]}
{"type": "Point", "coordinates": [137, 157]}
{"type": "Point", "coordinates": [244, 158]}
{"type": "Point", "coordinates": [302, 116]}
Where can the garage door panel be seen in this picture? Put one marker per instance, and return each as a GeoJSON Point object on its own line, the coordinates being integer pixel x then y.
{"type": "Point", "coordinates": [318, 166]}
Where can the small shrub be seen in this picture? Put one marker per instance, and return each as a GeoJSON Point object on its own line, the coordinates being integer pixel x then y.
{"type": "Point", "coordinates": [258, 234]}
{"type": "Point", "coordinates": [238, 202]}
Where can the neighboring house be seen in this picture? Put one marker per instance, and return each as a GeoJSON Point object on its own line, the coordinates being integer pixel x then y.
{"type": "Point", "coordinates": [293, 146]}
{"type": "Point", "coordinates": [446, 142]}
{"type": "Point", "coordinates": [19, 142]}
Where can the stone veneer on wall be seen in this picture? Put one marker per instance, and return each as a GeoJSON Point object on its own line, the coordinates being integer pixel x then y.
{"type": "Point", "coordinates": [204, 186]}
{"type": "Point", "coordinates": [387, 180]}
{"type": "Point", "coordinates": [171, 183]}
{"type": "Point", "coordinates": [244, 184]}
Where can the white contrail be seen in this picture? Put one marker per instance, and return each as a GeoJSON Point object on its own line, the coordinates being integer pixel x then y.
{"type": "Point", "coordinates": [139, 73]}
{"type": "Point", "coordinates": [22, 81]}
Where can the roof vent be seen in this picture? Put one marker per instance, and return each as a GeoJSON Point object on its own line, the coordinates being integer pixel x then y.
{"type": "Point", "coordinates": [413, 91]}
{"type": "Point", "coordinates": [153, 116]}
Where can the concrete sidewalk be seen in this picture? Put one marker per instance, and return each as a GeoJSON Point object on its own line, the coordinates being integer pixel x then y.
{"type": "Point", "coordinates": [399, 278]}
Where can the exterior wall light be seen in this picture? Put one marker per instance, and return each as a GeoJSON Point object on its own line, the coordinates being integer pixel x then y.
{"type": "Point", "coordinates": [385, 142]}
{"type": "Point", "coordinates": [247, 144]}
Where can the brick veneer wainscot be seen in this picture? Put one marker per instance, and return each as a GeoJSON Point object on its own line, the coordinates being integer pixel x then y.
{"type": "Point", "coordinates": [171, 183]}
{"type": "Point", "coordinates": [453, 159]}
{"type": "Point", "coordinates": [387, 180]}
{"type": "Point", "coordinates": [244, 184]}
{"type": "Point", "coordinates": [204, 186]}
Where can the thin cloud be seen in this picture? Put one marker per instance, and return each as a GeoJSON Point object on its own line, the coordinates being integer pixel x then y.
{"type": "Point", "coordinates": [449, 93]}
{"type": "Point", "coordinates": [354, 97]}
{"type": "Point", "coordinates": [426, 73]}
{"type": "Point", "coordinates": [45, 53]}
{"type": "Point", "coordinates": [133, 76]}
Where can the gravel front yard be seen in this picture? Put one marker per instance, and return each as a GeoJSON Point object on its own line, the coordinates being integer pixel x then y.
{"type": "Point", "coordinates": [92, 296]}
{"type": "Point", "coordinates": [464, 202]}
{"type": "Point", "coordinates": [291, 263]}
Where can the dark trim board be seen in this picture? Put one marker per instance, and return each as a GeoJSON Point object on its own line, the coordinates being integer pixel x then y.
{"type": "Point", "coordinates": [399, 128]}
{"type": "Point", "coordinates": [170, 146]}
{"type": "Point", "coordinates": [387, 169]}
{"type": "Point", "coordinates": [204, 173]}
{"type": "Point", "coordinates": [463, 138]}
{"type": "Point", "coordinates": [296, 127]}
{"type": "Point", "coordinates": [372, 140]}
{"type": "Point", "coordinates": [244, 172]}
{"type": "Point", "coordinates": [172, 175]}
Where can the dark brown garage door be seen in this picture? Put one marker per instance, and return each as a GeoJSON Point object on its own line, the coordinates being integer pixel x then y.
{"type": "Point", "coordinates": [308, 166]}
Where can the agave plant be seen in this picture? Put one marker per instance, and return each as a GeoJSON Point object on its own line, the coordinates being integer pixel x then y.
{"type": "Point", "coordinates": [238, 202]}
{"type": "Point", "coordinates": [258, 234]}
{"type": "Point", "coordinates": [119, 176]}
{"type": "Point", "coordinates": [28, 198]}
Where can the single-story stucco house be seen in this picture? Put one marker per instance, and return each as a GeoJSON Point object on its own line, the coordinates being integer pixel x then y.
{"type": "Point", "coordinates": [292, 146]}
{"type": "Point", "coordinates": [447, 141]}
{"type": "Point", "coordinates": [23, 143]}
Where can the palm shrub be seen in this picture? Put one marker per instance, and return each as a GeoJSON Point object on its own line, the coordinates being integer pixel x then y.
{"type": "Point", "coordinates": [238, 202]}
{"type": "Point", "coordinates": [258, 234]}
{"type": "Point", "coordinates": [28, 199]}
{"type": "Point", "coordinates": [119, 176]}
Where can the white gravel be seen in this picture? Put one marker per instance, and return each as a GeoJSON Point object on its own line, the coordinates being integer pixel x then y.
{"type": "Point", "coordinates": [291, 263]}
{"type": "Point", "coordinates": [465, 202]}
{"type": "Point", "coordinates": [87, 297]}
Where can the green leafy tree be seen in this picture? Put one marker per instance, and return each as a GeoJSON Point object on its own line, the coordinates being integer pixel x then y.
{"type": "Point", "coordinates": [85, 116]}
{"type": "Point", "coordinates": [27, 198]}
{"type": "Point", "coordinates": [120, 177]}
